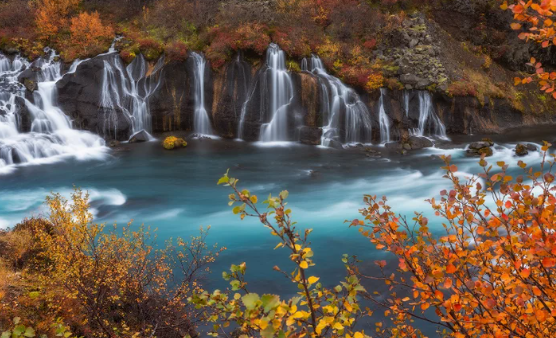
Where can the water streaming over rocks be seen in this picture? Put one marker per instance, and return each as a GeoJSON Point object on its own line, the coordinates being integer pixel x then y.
{"type": "Point", "coordinates": [337, 98]}
{"type": "Point", "coordinates": [201, 119]}
{"type": "Point", "coordinates": [275, 86]}
{"type": "Point", "coordinates": [37, 131]}
{"type": "Point", "coordinates": [429, 122]}
{"type": "Point", "coordinates": [383, 118]}
{"type": "Point", "coordinates": [127, 90]}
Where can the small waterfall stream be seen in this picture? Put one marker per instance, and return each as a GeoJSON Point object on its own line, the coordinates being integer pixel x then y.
{"type": "Point", "coordinates": [383, 118]}
{"type": "Point", "coordinates": [338, 98]}
{"type": "Point", "coordinates": [429, 122]}
{"type": "Point", "coordinates": [201, 119]}
{"type": "Point", "coordinates": [128, 89]}
{"type": "Point", "coordinates": [51, 134]}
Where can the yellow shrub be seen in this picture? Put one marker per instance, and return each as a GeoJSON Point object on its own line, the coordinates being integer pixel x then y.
{"type": "Point", "coordinates": [172, 142]}
{"type": "Point", "coordinates": [375, 81]}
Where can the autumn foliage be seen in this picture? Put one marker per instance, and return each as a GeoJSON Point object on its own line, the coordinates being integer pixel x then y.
{"type": "Point", "coordinates": [490, 273]}
{"type": "Point", "coordinates": [535, 20]}
{"type": "Point", "coordinates": [99, 281]}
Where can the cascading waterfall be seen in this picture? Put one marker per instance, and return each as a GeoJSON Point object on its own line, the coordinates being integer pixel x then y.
{"type": "Point", "coordinates": [201, 119]}
{"type": "Point", "coordinates": [281, 89]}
{"type": "Point", "coordinates": [429, 122]}
{"type": "Point", "coordinates": [276, 93]}
{"type": "Point", "coordinates": [383, 119]}
{"type": "Point", "coordinates": [337, 97]}
{"type": "Point", "coordinates": [128, 89]}
{"type": "Point", "coordinates": [51, 135]}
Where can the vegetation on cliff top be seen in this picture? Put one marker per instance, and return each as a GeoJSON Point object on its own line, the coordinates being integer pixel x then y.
{"type": "Point", "coordinates": [345, 34]}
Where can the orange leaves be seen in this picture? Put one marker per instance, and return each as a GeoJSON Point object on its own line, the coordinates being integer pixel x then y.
{"type": "Point", "coordinates": [493, 269]}
{"type": "Point", "coordinates": [536, 17]}
{"type": "Point", "coordinates": [515, 26]}
{"type": "Point", "coordinates": [87, 32]}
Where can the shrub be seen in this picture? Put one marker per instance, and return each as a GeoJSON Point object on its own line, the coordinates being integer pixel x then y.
{"type": "Point", "coordinates": [150, 48]}
{"type": "Point", "coordinates": [89, 36]}
{"type": "Point", "coordinates": [105, 282]}
{"type": "Point", "coordinates": [176, 51]}
{"type": "Point", "coordinates": [172, 142]}
{"type": "Point", "coordinates": [375, 81]}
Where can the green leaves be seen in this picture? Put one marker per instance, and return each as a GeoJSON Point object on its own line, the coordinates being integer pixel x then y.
{"type": "Point", "coordinates": [270, 302]}
{"type": "Point", "coordinates": [251, 301]}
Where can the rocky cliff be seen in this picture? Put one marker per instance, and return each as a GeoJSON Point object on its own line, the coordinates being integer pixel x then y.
{"type": "Point", "coordinates": [238, 92]}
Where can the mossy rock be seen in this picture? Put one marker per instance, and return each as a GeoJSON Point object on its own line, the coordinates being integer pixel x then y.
{"type": "Point", "coordinates": [172, 142]}
{"type": "Point", "coordinates": [521, 150]}
{"type": "Point", "coordinates": [486, 151]}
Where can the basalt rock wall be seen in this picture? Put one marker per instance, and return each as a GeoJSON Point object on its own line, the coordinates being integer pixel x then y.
{"type": "Point", "coordinates": [239, 92]}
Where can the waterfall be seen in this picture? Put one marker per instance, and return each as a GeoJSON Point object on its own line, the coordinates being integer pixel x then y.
{"type": "Point", "coordinates": [201, 119]}
{"type": "Point", "coordinates": [383, 119]}
{"type": "Point", "coordinates": [429, 122]}
{"type": "Point", "coordinates": [281, 89]}
{"type": "Point", "coordinates": [51, 136]}
{"type": "Point", "coordinates": [338, 98]}
{"type": "Point", "coordinates": [406, 102]}
{"type": "Point", "coordinates": [128, 90]}
{"type": "Point", "coordinates": [275, 87]}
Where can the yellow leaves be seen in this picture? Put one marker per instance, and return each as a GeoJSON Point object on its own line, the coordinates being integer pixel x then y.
{"type": "Point", "coordinates": [504, 6]}
{"type": "Point", "coordinates": [304, 265]}
{"type": "Point", "coordinates": [253, 199]}
{"type": "Point", "coordinates": [312, 280]}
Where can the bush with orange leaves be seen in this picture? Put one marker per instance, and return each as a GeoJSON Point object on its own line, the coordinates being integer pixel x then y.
{"type": "Point", "coordinates": [536, 21]}
{"type": "Point", "coordinates": [492, 273]}
{"type": "Point", "coordinates": [101, 282]}
{"type": "Point", "coordinates": [89, 36]}
{"type": "Point", "coordinates": [53, 15]}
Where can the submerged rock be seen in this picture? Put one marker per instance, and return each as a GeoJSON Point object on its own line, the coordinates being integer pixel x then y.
{"type": "Point", "coordinates": [335, 144]}
{"type": "Point", "coordinates": [417, 142]}
{"type": "Point", "coordinates": [140, 136]}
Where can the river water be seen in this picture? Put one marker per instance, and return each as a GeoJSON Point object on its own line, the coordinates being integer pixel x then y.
{"type": "Point", "coordinates": [176, 192]}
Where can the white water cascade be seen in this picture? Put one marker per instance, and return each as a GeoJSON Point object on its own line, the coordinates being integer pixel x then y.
{"type": "Point", "coordinates": [201, 119]}
{"type": "Point", "coordinates": [383, 119]}
{"type": "Point", "coordinates": [281, 91]}
{"type": "Point", "coordinates": [429, 122]}
{"type": "Point", "coordinates": [50, 136]}
{"type": "Point", "coordinates": [338, 98]}
{"type": "Point", "coordinates": [127, 90]}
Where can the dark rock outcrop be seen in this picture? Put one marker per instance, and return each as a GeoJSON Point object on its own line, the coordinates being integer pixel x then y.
{"type": "Point", "coordinates": [79, 96]}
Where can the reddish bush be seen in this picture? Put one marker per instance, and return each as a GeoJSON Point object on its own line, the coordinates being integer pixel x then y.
{"type": "Point", "coordinates": [462, 88]}
{"type": "Point", "coordinates": [150, 48]}
{"type": "Point", "coordinates": [176, 51]}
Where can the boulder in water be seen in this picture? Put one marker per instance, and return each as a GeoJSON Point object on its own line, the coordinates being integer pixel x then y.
{"type": "Point", "coordinates": [140, 136]}
{"type": "Point", "coordinates": [521, 150]}
{"type": "Point", "coordinates": [479, 145]}
{"type": "Point", "coordinates": [531, 147]}
{"type": "Point", "coordinates": [418, 142]}
{"type": "Point", "coordinates": [172, 142]}
{"type": "Point", "coordinates": [335, 144]}
{"type": "Point", "coordinates": [480, 148]}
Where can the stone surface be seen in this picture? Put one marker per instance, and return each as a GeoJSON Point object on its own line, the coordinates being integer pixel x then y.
{"type": "Point", "coordinates": [140, 136]}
